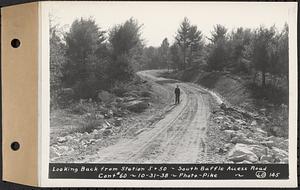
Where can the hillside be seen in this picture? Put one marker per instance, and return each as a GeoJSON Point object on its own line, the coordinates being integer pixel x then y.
{"type": "Point", "coordinates": [239, 91]}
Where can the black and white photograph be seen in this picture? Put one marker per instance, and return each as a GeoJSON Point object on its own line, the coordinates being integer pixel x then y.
{"type": "Point", "coordinates": [169, 83]}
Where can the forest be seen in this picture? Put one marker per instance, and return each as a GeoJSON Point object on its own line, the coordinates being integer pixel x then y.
{"type": "Point", "coordinates": [87, 59]}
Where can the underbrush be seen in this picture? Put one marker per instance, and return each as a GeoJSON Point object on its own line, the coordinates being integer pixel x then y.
{"type": "Point", "coordinates": [86, 115]}
{"type": "Point", "coordinates": [269, 93]}
{"type": "Point", "coordinates": [277, 124]}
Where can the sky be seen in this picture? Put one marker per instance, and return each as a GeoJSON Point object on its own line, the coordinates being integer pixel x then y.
{"type": "Point", "coordinates": [162, 19]}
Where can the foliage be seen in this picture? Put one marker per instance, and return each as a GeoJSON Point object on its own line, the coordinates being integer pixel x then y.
{"type": "Point", "coordinates": [57, 61]}
{"type": "Point", "coordinates": [82, 58]}
{"type": "Point", "coordinates": [189, 39]}
{"type": "Point", "coordinates": [124, 38]}
{"type": "Point", "coordinates": [218, 54]}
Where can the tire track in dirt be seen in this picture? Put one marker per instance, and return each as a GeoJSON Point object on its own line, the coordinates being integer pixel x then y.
{"type": "Point", "coordinates": [177, 138]}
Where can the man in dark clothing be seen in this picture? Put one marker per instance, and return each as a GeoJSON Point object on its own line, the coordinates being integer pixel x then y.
{"type": "Point", "coordinates": [177, 95]}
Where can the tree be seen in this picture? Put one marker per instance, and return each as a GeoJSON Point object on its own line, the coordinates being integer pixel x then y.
{"type": "Point", "coordinates": [196, 44]}
{"type": "Point", "coordinates": [283, 51]}
{"type": "Point", "coordinates": [239, 40]}
{"type": "Point", "coordinates": [262, 45]}
{"type": "Point", "coordinates": [182, 38]}
{"type": "Point", "coordinates": [218, 55]}
{"type": "Point", "coordinates": [123, 38]}
{"type": "Point", "coordinates": [82, 60]}
{"type": "Point", "coordinates": [57, 61]}
{"type": "Point", "coordinates": [176, 57]}
{"type": "Point", "coordinates": [164, 53]}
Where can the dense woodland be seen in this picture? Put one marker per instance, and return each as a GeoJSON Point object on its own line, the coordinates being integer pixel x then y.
{"type": "Point", "coordinates": [87, 59]}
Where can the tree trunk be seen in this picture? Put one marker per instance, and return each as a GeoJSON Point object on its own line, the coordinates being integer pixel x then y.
{"type": "Point", "coordinates": [263, 82]}
{"type": "Point", "coordinates": [184, 59]}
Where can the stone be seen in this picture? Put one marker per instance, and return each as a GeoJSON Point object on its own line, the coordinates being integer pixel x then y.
{"type": "Point", "coordinates": [253, 123]}
{"type": "Point", "coordinates": [259, 130]}
{"type": "Point", "coordinates": [285, 160]}
{"type": "Point", "coordinates": [53, 152]}
{"type": "Point", "coordinates": [62, 139]}
{"type": "Point", "coordinates": [118, 122]}
{"type": "Point", "coordinates": [241, 152]}
{"type": "Point", "coordinates": [241, 122]}
{"type": "Point", "coordinates": [99, 116]}
{"type": "Point", "coordinates": [62, 150]}
{"type": "Point", "coordinates": [228, 145]}
{"type": "Point", "coordinates": [230, 133]}
{"type": "Point", "coordinates": [137, 106]}
{"type": "Point", "coordinates": [105, 96]}
{"type": "Point", "coordinates": [235, 127]}
{"type": "Point", "coordinates": [119, 100]}
{"type": "Point", "coordinates": [244, 162]}
{"type": "Point", "coordinates": [259, 150]}
{"type": "Point", "coordinates": [107, 132]}
{"type": "Point", "coordinates": [268, 158]}
{"type": "Point", "coordinates": [268, 143]}
{"type": "Point", "coordinates": [280, 153]}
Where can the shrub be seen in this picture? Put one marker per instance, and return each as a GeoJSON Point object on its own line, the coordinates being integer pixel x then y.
{"type": "Point", "coordinates": [90, 122]}
{"type": "Point", "coordinates": [119, 89]}
{"type": "Point", "coordinates": [79, 109]}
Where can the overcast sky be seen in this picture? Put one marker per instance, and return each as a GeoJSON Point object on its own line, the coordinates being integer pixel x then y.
{"type": "Point", "coordinates": [162, 19]}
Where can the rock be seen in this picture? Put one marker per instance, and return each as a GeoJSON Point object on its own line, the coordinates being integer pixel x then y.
{"type": "Point", "coordinates": [230, 133]}
{"type": "Point", "coordinates": [223, 106]}
{"type": "Point", "coordinates": [62, 150]}
{"type": "Point", "coordinates": [268, 158]}
{"type": "Point", "coordinates": [69, 137]}
{"type": "Point", "coordinates": [105, 96]}
{"type": "Point", "coordinates": [285, 160]}
{"type": "Point", "coordinates": [228, 145]}
{"type": "Point", "coordinates": [264, 162]}
{"type": "Point", "coordinates": [244, 162]}
{"type": "Point", "coordinates": [239, 137]}
{"type": "Point", "coordinates": [119, 100]}
{"type": "Point", "coordinates": [137, 106]}
{"type": "Point", "coordinates": [234, 140]}
{"type": "Point", "coordinates": [267, 143]}
{"type": "Point", "coordinates": [62, 139]}
{"type": "Point", "coordinates": [259, 150]}
{"type": "Point", "coordinates": [250, 135]}
{"type": "Point", "coordinates": [221, 151]}
{"type": "Point", "coordinates": [231, 118]}
{"type": "Point", "coordinates": [280, 153]}
{"type": "Point", "coordinates": [107, 132]}
{"type": "Point", "coordinates": [235, 127]}
{"type": "Point", "coordinates": [240, 122]}
{"type": "Point", "coordinates": [118, 122]}
{"type": "Point", "coordinates": [259, 130]}
{"type": "Point", "coordinates": [253, 123]}
{"type": "Point", "coordinates": [241, 152]}
{"type": "Point", "coordinates": [53, 152]}
{"type": "Point", "coordinates": [99, 116]}
{"type": "Point", "coordinates": [263, 110]}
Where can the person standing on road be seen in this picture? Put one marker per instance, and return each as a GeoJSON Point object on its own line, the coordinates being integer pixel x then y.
{"type": "Point", "coordinates": [177, 95]}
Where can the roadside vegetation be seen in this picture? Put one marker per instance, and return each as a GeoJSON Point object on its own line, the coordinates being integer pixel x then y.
{"type": "Point", "coordinates": [248, 67]}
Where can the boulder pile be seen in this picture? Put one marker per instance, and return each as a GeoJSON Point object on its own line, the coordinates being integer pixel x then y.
{"type": "Point", "coordinates": [76, 142]}
{"type": "Point", "coordinates": [245, 141]}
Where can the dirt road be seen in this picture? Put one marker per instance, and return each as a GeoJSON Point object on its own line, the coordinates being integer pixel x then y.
{"type": "Point", "coordinates": [179, 137]}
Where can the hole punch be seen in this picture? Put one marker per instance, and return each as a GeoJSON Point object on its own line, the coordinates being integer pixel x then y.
{"type": "Point", "coordinates": [15, 146]}
{"type": "Point", "coordinates": [15, 43]}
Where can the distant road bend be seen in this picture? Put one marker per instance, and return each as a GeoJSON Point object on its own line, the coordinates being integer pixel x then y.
{"type": "Point", "coordinates": [179, 137]}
